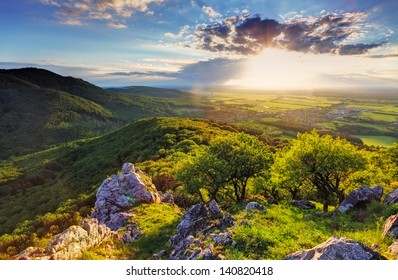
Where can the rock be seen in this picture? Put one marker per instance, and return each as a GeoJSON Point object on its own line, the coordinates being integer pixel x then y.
{"type": "Point", "coordinates": [303, 204]}
{"type": "Point", "coordinates": [390, 227]}
{"type": "Point", "coordinates": [195, 227]}
{"type": "Point", "coordinates": [222, 238]}
{"type": "Point", "coordinates": [33, 253]}
{"type": "Point", "coordinates": [337, 248]}
{"type": "Point", "coordinates": [359, 197]}
{"type": "Point", "coordinates": [159, 255]}
{"type": "Point", "coordinates": [392, 197]}
{"type": "Point", "coordinates": [118, 220]}
{"type": "Point", "coordinates": [119, 193]}
{"type": "Point", "coordinates": [167, 197]}
{"type": "Point", "coordinates": [71, 243]}
{"type": "Point", "coordinates": [214, 210]}
{"type": "Point", "coordinates": [393, 249]}
{"type": "Point", "coordinates": [128, 168]}
{"type": "Point", "coordinates": [132, 233]}
{"type": "Point", "coordinates": [254, 206]}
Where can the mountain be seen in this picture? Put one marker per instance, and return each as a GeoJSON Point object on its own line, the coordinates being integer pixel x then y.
{"type": "Point", "coordinates": [152, 92]}
{"type": "Point", "coordinates": [39, 109]}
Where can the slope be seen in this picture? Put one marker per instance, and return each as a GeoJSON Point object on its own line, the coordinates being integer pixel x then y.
{"type": "Point", "coordinates": [41, 182]}
{"type": "Point", "coordinates": [39, 109]}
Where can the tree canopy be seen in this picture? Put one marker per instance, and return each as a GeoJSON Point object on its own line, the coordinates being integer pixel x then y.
{"type": "Point", "coordinates": [224, 168]}
{"type": "Point", "coordinates": [321, 162]}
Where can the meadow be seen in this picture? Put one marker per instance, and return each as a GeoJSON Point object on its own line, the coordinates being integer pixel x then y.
{"type": "Point", "coordinates": [372, 120]}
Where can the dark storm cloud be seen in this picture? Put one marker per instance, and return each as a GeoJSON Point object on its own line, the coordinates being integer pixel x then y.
{"type": "Point", "coordinates": [356, 49]}
{"type": "Point", "coordinates": [331, 33]}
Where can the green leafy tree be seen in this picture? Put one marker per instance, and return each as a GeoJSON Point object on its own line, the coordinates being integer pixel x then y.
{"type": "Point", "coordinates": [283, 179]}
{"type": "Point", "coordinates": [322, 162]}
{"type": "Point", "coordinates": [225, 167]}
{"type": "Point", "coordinates": [393, 156]}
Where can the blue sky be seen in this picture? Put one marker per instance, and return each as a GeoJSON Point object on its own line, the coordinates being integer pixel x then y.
{"type": "Point", "coordinates": [270, 44]}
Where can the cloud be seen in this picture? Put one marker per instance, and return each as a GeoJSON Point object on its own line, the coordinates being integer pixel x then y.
{"type": "Point", "coordinates": [117, 25]}
{"type": "Point", "coordinates": [180, 34]}
{"type": "Point", "coordinates": [214, 71]}
{"type": "Point", "coordinates": [210, 12]}
{"type": "Point", "coordinates": [113, 12]}
{"type": "Point", "coordinates": [202, 73]}
{"type": "Point", "coordinates": [329, 33]}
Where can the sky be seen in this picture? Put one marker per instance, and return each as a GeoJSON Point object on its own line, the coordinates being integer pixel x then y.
{"type": "Point", "coordinates": [268, 44]}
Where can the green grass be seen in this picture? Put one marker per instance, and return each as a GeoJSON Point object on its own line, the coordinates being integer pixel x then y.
{"type": "Point", "coordinates": [383, 141]}
{"type": "Point", "coordinates": [283, 230]}
{"type": "Point", "coordinates": [158, 222]}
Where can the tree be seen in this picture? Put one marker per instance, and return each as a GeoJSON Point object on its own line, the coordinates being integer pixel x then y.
{"type": "Point", "coordinates": [393, 156]}
{"type": "Point", "coordinates": [323, 162]}
{"type": "Point", "coordinates": [225, 166]}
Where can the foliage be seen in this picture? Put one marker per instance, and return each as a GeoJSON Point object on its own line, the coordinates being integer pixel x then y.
{"type": "Point", "coordinates": [322, 162]}
{"type": "Point", "coordinates": [224, 168]}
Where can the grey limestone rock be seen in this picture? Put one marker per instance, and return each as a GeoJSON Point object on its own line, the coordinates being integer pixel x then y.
{"type": "Point", "coordinates": [392, 197]}
{"type": "Point", "coordinates": [302, 204]}
{"type": "Point", "coordinates": [119, 193]}
{"type": "Point", "coordinates": [254, 206]}
{"type": "Point", "coordinates": [337, 248]}
{"type": "Point", "coordinates": [71, 243]}
{"type": "Point", "coordinates": [195, 226]}
{"type": "Point", "coordinates": [360, 196]}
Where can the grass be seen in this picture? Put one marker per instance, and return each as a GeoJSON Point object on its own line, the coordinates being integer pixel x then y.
{"type": "Point", "coordinates": [283, 230]}
{"type": "Point", "coordinates": [383, 141]}
{"type": "Point", "coordinates": [158, 222]}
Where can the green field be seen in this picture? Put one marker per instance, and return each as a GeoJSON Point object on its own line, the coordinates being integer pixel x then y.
{"type": "Point", "coordinates": [383, 141]}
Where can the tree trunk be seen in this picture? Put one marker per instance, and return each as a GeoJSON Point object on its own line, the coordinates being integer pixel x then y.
{"type": "Point", "coordinates": [325, 207]}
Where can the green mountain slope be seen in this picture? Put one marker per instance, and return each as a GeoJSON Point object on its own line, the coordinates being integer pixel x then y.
{"type": "Point", "coordinates": [39, 109]}
{"type": "Point", "coordinates": [40, 182]}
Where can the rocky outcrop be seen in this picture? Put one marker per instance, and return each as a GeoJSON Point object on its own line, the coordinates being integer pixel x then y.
{"type": "Point", "coordinates": [302, 204]}
{"type": "Point", "coordinates": [337, 248]}
{"type": "Point", "coordinates": [393, 249]}
{"type": "Point", "coordinates": [392, 197]}
{"type": "Point", "coordinates": [254, 206]}
{"type": "Point", "coordinates": [390, 227]}
{"type": "Point", "coordinates": [197, 226]}
{"type": "Point", "coordinates": [119, 193]}
{"type": "Point", "coordinates": [71, 243]}
{"type": "Point", "coordinates": [359, 197]}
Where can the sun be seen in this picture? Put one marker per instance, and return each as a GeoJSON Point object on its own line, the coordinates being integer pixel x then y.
{"type": "Point", "coordinates": [278, 69]}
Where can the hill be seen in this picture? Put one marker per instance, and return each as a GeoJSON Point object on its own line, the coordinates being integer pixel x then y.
{"type": "Point", "coordinates": [152, 92]}
{"type": "Point", "coordinates": [39, 109]}
{"type": "Point", "coordinates": [41, 182]}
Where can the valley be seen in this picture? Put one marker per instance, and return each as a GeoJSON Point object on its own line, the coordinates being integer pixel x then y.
{"type": "Point", "coordinates": [61, 137]}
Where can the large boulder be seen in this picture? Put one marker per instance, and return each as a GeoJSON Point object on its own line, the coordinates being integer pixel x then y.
{"type": "Point", "coordinates": [392, 197]}
{"type": "Point", "coordinates": [119, 193]}
{"type": "Point", "coordinates": [359, 197]}
{"type": "Point", "coordinates": [337, 248]}
{"type": "Point", "coordinates": [197, 225]}
{"type": "Point", "coordinates": [71, 243]}
{"type": "Point", "coordinates": [391, 227]}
